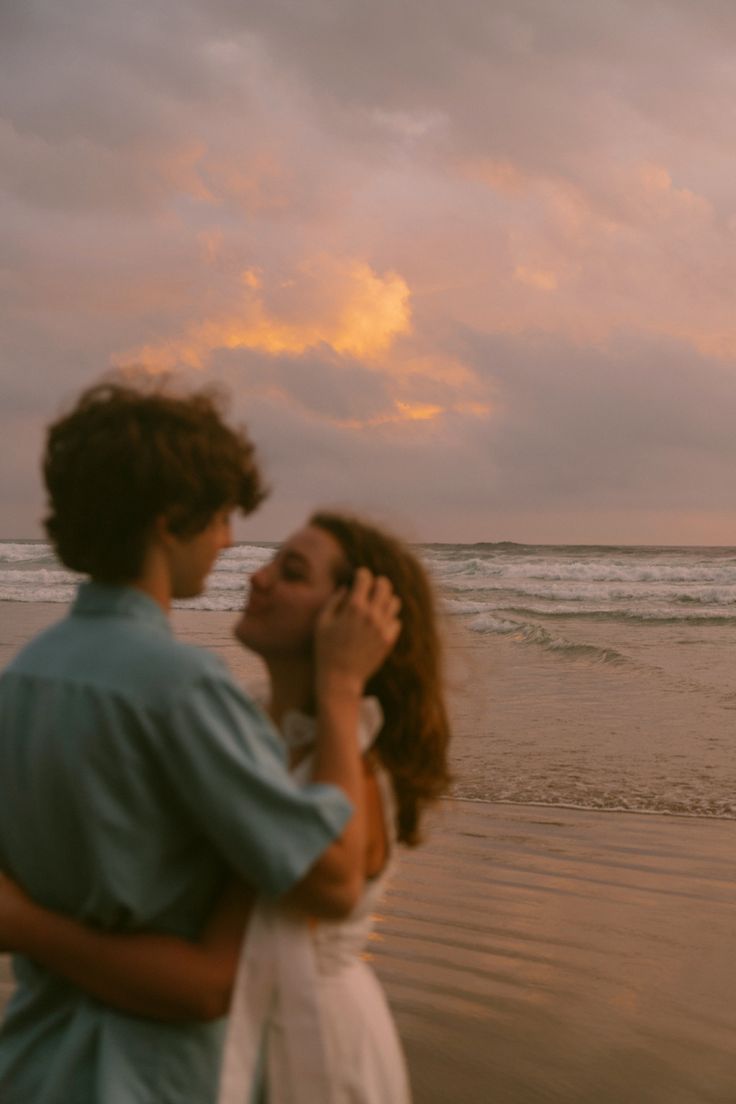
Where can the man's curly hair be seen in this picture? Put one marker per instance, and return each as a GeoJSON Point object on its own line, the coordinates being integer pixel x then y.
{"type": "Point", "coordinates": [125, 456]}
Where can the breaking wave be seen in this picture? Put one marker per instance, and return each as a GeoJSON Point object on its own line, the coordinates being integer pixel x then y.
{"type": "Point", "coordinates": [527, 633]}
{"type": "Point", "coordinates": [487, 586]}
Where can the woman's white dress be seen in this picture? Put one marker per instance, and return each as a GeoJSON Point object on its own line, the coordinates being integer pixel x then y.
{"type": "Point", "coordinates": [309, 1022]}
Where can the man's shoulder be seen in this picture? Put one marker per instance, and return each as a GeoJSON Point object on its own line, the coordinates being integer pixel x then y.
{"type": "Point", "coordinates": [38, 647]}
{"type": "Point", "coordinates": [177, 658]}
{"type": "Point", "coordinates": [118, 655]}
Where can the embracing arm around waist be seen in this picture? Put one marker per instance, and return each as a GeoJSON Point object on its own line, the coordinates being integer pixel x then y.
{"type": "Point", "coordinates": [152, 974]}
{"type": "Point", "coordinates": [147, 974]}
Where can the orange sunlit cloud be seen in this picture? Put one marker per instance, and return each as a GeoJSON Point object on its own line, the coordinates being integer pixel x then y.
{"type": "Point", "coordinates": [403, 412]}
{"type": "Point", "coordinates": [342, 304]}
{"type": "Point", "coordinates": [501, 175]}
{"type": "Point", "coordinates": [474, 409]}
{"type": "Point", "coordinates": [543, 278]}
{"type": "Point", "coordinates": [419, 412]}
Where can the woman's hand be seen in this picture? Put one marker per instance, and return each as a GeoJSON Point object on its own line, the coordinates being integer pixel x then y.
{"type": "Point", "coordinates": [17, 911]}
{"type": "Point", "coordinates": [355, 632]}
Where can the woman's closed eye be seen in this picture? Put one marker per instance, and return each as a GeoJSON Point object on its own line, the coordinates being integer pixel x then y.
{"type": "Point", "coordinates": [294, 568]}
{"type": "Point", "coordinates": [293, 574]}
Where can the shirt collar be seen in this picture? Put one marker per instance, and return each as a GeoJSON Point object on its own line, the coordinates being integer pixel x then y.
{"type": "Point", "coordinates": [104, 600]}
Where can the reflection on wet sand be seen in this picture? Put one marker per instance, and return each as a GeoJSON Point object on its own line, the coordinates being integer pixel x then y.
{"type": "Point", "coordinates": [551, 955]}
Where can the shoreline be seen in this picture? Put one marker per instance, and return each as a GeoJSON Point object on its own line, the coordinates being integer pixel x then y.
{"type": "Point", "coordinates": [618, 810]}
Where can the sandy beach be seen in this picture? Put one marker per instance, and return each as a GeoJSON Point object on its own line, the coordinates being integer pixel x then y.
{"type": "Point", "coordinates": [535, 954]}
{"type": "Point", "coordinates": [554, 955]}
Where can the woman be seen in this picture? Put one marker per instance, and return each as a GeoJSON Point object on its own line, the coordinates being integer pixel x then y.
{"type": "Point", "coordinates": [308, 1018]}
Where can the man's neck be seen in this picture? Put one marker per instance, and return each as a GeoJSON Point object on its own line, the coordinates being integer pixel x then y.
{"type": "Point", "coordinates": [155, 579]}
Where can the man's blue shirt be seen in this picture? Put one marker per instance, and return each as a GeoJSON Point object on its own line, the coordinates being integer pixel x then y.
{"type": "Point", "coordinates": [135, 772]}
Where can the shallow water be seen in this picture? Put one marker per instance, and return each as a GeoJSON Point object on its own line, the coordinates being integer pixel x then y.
{"type": "Point", "coordinates": [601, 678]}
{"type": "Point", "coordinates": [650, 735]}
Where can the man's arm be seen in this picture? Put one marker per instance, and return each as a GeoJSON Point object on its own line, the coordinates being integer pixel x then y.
{"type": "Point", "coordinates": [159, 976]}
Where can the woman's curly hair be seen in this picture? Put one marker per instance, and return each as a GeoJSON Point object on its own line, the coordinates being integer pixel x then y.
{"type": "Point", "coordinates": [413, 742]}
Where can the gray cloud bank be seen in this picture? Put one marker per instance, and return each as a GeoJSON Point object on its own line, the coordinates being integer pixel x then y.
{"type": "Point", "coordinates": [551, 181]}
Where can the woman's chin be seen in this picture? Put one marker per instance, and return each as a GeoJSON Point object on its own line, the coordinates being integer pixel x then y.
{"type": "Point", "coordinates": [241, 630]}
{"type": "Point", "coordinates": [247, 635]}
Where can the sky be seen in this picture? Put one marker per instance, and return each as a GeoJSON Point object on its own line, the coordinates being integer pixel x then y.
{"type": "Point", "coordinates": [467, 266]}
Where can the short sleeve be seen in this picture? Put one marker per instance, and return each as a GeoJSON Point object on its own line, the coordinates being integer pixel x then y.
{"type": "Point", "coordinates": [226, 764]}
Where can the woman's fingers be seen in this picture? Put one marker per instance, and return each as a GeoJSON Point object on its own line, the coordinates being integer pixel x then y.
{"type": "Point", "coordinates": [357, 629]}
{"type": "Point", "coordinates": [375, 596]}
{"type": "Point", "coordinates": [375, 591]}
{"type": "Point", "coordinates": [362, 586]}
{"type": "Point", "coordinates": [385, 597]}
{"type": "Point", "coordinates": [385, 606]}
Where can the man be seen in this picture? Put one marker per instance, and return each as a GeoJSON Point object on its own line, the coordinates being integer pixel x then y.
{"type": "Point", "coordinates": [136, 773]}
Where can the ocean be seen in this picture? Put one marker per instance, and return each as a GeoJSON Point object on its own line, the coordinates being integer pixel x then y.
{"type": "Point", "coordinates": [584, 677]}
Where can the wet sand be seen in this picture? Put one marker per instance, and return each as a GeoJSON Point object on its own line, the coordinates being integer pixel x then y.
{"type": "Point", "coordinates": [536, 955]}
{"type": "Point", "coordinates": [539, 955]}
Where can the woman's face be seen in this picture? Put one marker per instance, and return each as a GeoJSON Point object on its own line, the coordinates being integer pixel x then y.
{"type": "Point", "coordinates": [287, 594]}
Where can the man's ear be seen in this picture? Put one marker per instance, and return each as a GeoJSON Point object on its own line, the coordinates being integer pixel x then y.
{"type": "Point", "coordinates": [161, 530]}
